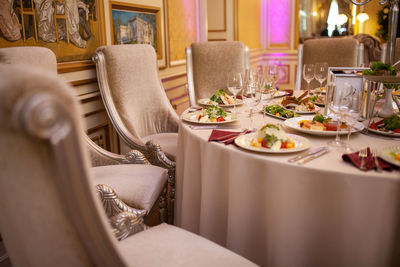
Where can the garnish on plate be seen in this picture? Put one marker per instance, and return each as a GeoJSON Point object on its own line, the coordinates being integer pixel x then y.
{"type": "Point", "coordinates": [278, 111]}
{"type": "Point", "coordinates": [395, 155]}
{"type": "Point", "coordinates": [389, 125]}
{"type": "Point", "coordinates": [301, 103]}
{"type": "Point", "coordinates": [273, 137]}
{"type": "Point", "coordinates": [213, 114]}
{"type": "Point", "coordinates": [320, 123]}
{"type": "Point", "coordinates": [221, 98]}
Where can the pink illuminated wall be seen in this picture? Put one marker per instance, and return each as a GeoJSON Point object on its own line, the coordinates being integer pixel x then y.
{"type": "Point", "coordinates": [278, 23]}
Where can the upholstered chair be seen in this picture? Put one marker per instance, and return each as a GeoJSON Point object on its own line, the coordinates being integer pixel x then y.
{"type": "Point", "coordinates": [50, 214]}
{"type": "Point", "coordinates": [337, 52]}
{"type": "Point", "coordinates": [138, 106]}
{"type": "Point", "coordinates": [138, 184]}
{"type": "Point", "coordinates": [208, 64]}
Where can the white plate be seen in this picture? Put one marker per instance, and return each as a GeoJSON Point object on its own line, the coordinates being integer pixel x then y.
{"type": "Point", "coordinates": [280, 94]}
{"type": "Point", "coordinates": [305, 112]}
{"type": "Point", "coordinates": [204, 102]}
{"type": "Point", "coordinates": [385, 154]}
{"type": "Point", "coordinates": [293, 123]}
{"type": "Point", "coordinates": [384, 133]}
{"type": "Point", "coordinates": [192, 117]}
{"type": "Point", "coordinates": [301, 144]}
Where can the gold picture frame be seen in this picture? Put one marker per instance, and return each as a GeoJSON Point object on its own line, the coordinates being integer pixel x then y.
{"type": "Point", "coordinates": [127, 19]}
{"type": "Point", "coordinates": [72, 31]}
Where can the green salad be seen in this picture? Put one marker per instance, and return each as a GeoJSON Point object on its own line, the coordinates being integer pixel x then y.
{"type": "Point", "coordinates": [221, 97]}
{"type": "Point", "coordinates": [279, 111]}
{"type": "Point", "coordinates": [379, 66]}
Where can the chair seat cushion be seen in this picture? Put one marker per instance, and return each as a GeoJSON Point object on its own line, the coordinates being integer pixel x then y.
{"type": "Point", "coordinates": [137, 185]}
{"type": "Point", "coordinates": [167, 141]}
{"type": "Point", "coordinates": [167, 245]}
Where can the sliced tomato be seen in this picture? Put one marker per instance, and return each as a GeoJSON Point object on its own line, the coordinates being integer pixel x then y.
{"type": "Point", "coordinates": [330, 126]}
{"type": "Point", "coordinates": [396, 130]}
{"type": "Point", "coordinates": [199, 117]}
{"type": "Point", "coordinates": [373, 126]}
{"type": "Point", "coordinates": [220, 119]}
{"type": "Point", "coordinates": [284, 145]}
{"type": "Point", "coordinates": [264, 143]}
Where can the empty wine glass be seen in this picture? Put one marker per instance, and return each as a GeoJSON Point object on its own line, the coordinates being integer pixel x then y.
{"type": "Point", "coordinates": [321, 73]}
{"type": "Point", "coordinates": [351, 117]}
{"type": "Point", "coordinates": [308, 75]}
{"type": "Point", "coordinates": [234, 85]}
{"type": "Point", "coordinates": [251, 94]}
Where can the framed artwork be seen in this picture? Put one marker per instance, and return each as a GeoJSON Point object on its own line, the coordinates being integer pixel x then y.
{"type": "Point", "coordinates": [72, 29]}
{"type": "Point", "coordinates": [138, 24]}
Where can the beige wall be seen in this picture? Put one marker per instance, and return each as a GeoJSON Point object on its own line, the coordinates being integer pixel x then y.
{"type": "Point", "coordinates": [249, 22]}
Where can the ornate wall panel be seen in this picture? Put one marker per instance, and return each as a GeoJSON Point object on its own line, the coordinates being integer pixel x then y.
{"type": "Point", "coordinates": [279, 23]}
{"type": "Point", "coordinates": [182, 28]}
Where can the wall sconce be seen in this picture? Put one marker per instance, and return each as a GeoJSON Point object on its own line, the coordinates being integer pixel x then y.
{"type": "Point", "coordinates": [362, 17]}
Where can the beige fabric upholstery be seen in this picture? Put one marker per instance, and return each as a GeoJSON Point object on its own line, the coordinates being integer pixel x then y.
{"type": "Point", "coordinates": [337, 52]}
{"type": "Point", "coordinates": [137, 185]}
{"type": "Point", "coordinates": [136, 90]}
{"type": "Point", "coordinates": [36, 56]}
{"type": "Point", "coordinates": [193, 250]}
{"type": "Point", "coordinates": [50, 215]}
{"type": "Point", "coordinates": [211, 63]}
{"type": "Point", "coordinates": [168, 142]}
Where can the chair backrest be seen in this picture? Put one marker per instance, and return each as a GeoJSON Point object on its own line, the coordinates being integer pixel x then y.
{"type": "Point", "coordinates": [132, 91]}
{"type": "Point", "coordinates": [208, 64]}
{"type": "Point", "coordinates": [50, 215]}
{"type": "Point", "coordinates": [30, 55]}
{"type": "Point", "coordinates": [337, 52]}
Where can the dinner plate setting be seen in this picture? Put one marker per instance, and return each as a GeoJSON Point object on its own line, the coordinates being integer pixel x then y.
{"type": "Point", "coordinates": [207, 102]}
{"type": "Point", "coordinates": [193, 118]}
{"type": "Point", "coordinates": [389, 155]}
{"type": "Point", "coordinates": [293, 123]}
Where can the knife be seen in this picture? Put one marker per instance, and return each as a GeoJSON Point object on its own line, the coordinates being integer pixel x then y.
{"type": "Point", "coordinates": [309, 153]}
{"type": "Point", "coordinates": [312, 157]}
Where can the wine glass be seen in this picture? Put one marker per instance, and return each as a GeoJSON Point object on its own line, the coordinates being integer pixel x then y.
{"type": "Point", "coordinates": [251, 94]}
{"type": "Point", "coordinates": [268, 89]}
{"type": "Point", "coordinates": [273, 74]}
{"type": "Point", "coordinates": [351, 117]}
{"type": "Point", "coordinates": [234, 85]}
{"type": "Point", "coordinates": [339, 110]}
{"type": "Point", "coordinates": [308, 75]}
{"type": "Point", "coordinates": [321, 73]}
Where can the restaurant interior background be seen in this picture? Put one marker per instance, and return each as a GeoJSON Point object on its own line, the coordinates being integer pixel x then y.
{"type": "Point", "coordinates": [272, 29]}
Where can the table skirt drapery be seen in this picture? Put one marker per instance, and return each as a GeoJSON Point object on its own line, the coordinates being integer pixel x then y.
{"type": "Point", "coordinates": [326, 213]}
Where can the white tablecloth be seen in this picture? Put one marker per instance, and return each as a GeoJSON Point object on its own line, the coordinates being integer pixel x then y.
{"type": "Point", "coordinates": [324, 213]}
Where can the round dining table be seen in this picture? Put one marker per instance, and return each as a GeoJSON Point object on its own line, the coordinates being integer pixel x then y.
{"type": "Point", "coordinates": [275, 213]}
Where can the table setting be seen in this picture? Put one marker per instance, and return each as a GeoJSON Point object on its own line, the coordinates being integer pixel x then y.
{"type": "Point", "coordinates": [305, 188]}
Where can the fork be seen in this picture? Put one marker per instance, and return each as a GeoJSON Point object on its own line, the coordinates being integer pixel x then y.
{"type": "Point", "coordinates": [375, 156]}
{"type": "Point", "coordinates": [363, 154]}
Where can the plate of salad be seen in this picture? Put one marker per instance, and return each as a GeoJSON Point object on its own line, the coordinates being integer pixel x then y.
{"type": "Point", "coordinates": [320, 125]}
{"type": "Point", "coordinates": [389, 126]}
{"type": "Point", "coordinates": [272, 139]}
{"type": "Point", "coordinates": [392, 155]}
{"type": "Point", "coordinates": [279, 112]}
{"type": "Point", "coordinates": [220, 98]}
{"type": "Point", "coordinates": [209, 115]}
{"type": "Point", "coordinates": [300, 105]}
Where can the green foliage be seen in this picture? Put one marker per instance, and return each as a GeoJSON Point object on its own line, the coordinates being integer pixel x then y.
{"type": "Point", "coordinates": [383, 21]}
{"type": "Point", "coordinates": [379, 66]}
{"type": "Point", "coordinates": [320, 118]}
{"type": "Point", "coordinates": [392, 123]}
{"type": "Point", "coordinates": [215, 112]}
{"type": "Point", "coordinates": [216, 97]}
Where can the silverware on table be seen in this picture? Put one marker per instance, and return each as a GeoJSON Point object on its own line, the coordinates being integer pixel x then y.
{"type": "Point", "coordinates": [208, 127]}
{"type": "Point", "coordinates": [363, 153]}
{"type": "Point", "coordinates": [375, 156]}
{"type": "Point", "coordinates": [308, 153]}
{"type": "Point", "coordinates": [314, 156]}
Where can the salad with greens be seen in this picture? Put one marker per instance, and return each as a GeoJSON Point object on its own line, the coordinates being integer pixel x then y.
{"type": "Point", "coordinates": [273, 137]}
{"type": "Point", "coordinates": [221, 98]}
{"type": "Point", "coordinates": [278, 111]}
{"type": "Point", "coordinates": [213, 114]}
{"type": "Point", "coordinates": [389, 125]}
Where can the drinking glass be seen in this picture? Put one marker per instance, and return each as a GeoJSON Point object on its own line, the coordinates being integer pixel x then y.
{"type": "Point", "coordinates": [251, 94]}
{"type": "Point", "coordinates": [351, 117]}
{"type": "Point", "coordinates": [273, 74]}
{"type": "Point", "coordinates": [234, 84]}
{"type": "Point", "coordinates": [308, 75]}
{"type": "Point", "coordinates": [321, 73]}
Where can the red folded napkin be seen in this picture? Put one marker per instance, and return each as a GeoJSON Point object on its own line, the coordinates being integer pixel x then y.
{"type": "Point", "coordinates": [355, 159]}
{"type": "Point", "coordinates": [288, 92]}
{"type": "Point", "coordinates": [226, 137]}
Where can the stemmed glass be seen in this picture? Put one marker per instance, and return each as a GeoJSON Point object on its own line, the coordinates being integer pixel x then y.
{"type": "Point", "coordinates": [234, 85]}
{"type": "Point", "coordinates": [251, 93]}
{"type": "Point", "coordinates": [271, 75]}
{"type": "Point", "coordinates": [308, 75]}
{"type": "Point", "coordinates": [321, 73]}
{"type": "Point", "coordinates": [351, 117]}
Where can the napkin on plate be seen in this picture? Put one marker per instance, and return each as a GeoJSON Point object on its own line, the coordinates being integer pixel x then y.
{"type": "Point", "coordinates": [355, 159]}
{"type": "Point", "coordinates": [226, 137]}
